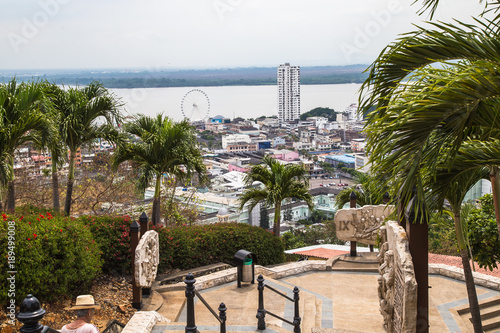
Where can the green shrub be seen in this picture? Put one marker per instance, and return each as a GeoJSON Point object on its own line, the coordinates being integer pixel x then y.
{"type": "Point", "coordinates": [112, 235]}
{"type": "Point", "coordinates": [186, 246]}
{"type": "Point", "coordinates": [191, 246]}
{"type": "Point", "coordinates": [54, 257]}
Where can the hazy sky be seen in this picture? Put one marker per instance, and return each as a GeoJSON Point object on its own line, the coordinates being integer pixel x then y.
{"type": "Point", "coordinates": [153, 34]}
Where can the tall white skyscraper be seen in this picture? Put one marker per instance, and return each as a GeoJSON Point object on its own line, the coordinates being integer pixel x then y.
{"type": "Point", "coordinates": [288, 92]}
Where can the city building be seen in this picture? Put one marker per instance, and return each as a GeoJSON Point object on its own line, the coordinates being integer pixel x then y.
{"type": "Point", "coordinates": [232, 139]}
{"type": "Point", "coordinates": [288, 92]}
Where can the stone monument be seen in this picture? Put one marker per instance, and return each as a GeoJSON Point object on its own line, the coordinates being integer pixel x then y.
{"type": "Point", "coordinates": [147, 258]}
{"type": "Point", "coordinates": [361, 224]}
{"type": "Point", "coordinates": [397, 288]}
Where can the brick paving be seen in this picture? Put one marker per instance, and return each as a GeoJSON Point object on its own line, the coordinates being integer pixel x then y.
{"type": "Point", "coordinates": [433, 259]}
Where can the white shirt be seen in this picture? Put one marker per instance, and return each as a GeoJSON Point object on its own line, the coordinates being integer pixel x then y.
{"type": "Point", "coordinates": [85, 328]}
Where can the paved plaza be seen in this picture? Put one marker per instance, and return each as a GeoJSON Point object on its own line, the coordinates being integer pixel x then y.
{"type": "Point", "coordinates": [340, 300]}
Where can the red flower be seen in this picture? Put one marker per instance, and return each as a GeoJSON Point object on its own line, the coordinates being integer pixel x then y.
{"type": "Point", "coordinates": [41, 216]}
{"type": "Point", "coordinates": [29, 223]}
{"type": "Point", "coordinates": [60, 230]}
{"type": "Point", "coordinates": [22, 217]}
{"type": "Point", "coordinates": [34, 236]}
{"type": "Point", "coordinates": [29, 238]}
{"type": "Point", "coordinates": [37, 219]}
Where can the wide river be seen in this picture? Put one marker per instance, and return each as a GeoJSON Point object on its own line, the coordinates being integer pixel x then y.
{"type": "Point", "coordinates": [231, 101]}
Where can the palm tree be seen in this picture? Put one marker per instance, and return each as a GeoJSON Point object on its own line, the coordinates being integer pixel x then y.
{"type": "Point", "coordinates": [80, 111]}
{"type": "Point", "coordinates": [280, 181]}
{"type": "Point", "coordinates": [452, 184]}
{"type": "Point", "coordinates": [367, 189]}
{"type": "Point", "coordinates": [164, 147]}
{"type": "Point", "coordinates": [438, 107]}
{"type": "Point", "coordinates": [56, 147]}
{"type": "Point", "coordinates": [20, 121]}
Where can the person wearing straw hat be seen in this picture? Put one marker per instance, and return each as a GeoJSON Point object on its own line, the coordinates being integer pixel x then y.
{"type": "Point", "coordinates": [84, 308]}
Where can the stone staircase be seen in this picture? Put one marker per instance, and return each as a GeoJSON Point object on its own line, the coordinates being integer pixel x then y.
{"type": "Point", "coordinates": [490, 314]}
{"type": "Point", "coordinates": [242, 304]}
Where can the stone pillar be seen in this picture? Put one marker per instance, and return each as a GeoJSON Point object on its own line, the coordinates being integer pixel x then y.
{"type": "Point", "coordinates": [135, 235]}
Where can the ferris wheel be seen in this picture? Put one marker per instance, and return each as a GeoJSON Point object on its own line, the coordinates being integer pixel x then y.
{"type": "Point", "coordinates": [195, 105]}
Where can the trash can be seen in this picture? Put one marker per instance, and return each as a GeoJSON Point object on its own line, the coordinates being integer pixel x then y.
{"type": "Point", "coordinates": [247, 270]}
{"type": "Point", "coordinates": [245, 262]}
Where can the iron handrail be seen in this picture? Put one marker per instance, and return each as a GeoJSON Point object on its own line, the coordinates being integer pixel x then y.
{"type": "Point", "coordinates": [208, 306]}
{"type": "Point", "coordinates": [279, 292]}
{"type": "Point", "coordinates": [281, 318]}
{"type": "Point", "coordinates": [191, 292]}
{"type": "Point", "coordinates": [261, 312]}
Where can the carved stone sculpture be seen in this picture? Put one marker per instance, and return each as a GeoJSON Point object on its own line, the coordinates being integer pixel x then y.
{"type": "Point", "coordinates": [147, 258]}
{"type": "Point", "coordinates": [361, 224]}
{"type": "Point", "coordinates": [397, 287]}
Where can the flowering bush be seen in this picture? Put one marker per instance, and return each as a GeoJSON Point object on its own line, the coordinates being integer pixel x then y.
{"type": "Point", "coordinates": [112, 235]}
{"type": "Point", "coordinates": [50, 256]}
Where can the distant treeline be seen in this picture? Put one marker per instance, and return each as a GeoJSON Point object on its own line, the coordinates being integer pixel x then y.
{"type": "Point", "coordinates": [195, 78]}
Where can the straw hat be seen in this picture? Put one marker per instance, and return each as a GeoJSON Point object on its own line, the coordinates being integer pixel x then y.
{"type": "Point", "coordinates": [85, 302]}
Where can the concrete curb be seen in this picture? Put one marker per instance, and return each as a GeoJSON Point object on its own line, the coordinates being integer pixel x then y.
{"type": "Point", "coordinates": [456, 273]}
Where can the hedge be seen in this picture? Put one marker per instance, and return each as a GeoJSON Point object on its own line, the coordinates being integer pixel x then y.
{"type": "Point", "coordinates": [61, 256]}
{"type": "Point", "coordinates": [52, 256]}
{"type": "Point", "coordinates": [186, 246]}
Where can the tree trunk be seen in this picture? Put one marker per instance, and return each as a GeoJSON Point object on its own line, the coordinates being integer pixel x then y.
{"type": "Point", "coordinates": [471, 293]}
{"type": "Point", "coordinates": [469, 278]}
{"type": "Point", "coordinates": [69, 193]}
{"type": "Point", "coordinates": [11, 197]}
{"type": "Point", "coordinates": [55, 190]}
{"type": "Point", "coordinates": [155, 216]}
{"type": "Point", "coordinates": [277, 219]}
{"type": "Point", "coordinates": [71, 179]}
{"type": "Point", "coordinates": [495, 187]}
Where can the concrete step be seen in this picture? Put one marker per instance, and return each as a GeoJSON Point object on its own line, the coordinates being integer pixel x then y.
{"type": "Point", "coordinates": [319, 313]}
{"type": "Point", "coordinates": [180, 328]}
{"type": "Point", "coordinates": [364, 262]}
{"type": "Point", "coordinates": [307, 310]}
{"type": "Point", "coordinates": [491, 324]}
{"type": "Point", "coordinates": [482, 305]}
{"type": "Point", "coordinates": [490, 313]}
{"type": "Point", "coordinates": [173, 303]}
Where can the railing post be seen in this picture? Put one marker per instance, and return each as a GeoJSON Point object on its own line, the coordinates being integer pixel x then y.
{"type": "Point", "coordinates": [190, 293]}
{"type": "Point", "coordinates": [30, 313]}
{"type": "Point", "coordinates": [353, 205]}
{"type": "Point", "coordinates": [222, 316]}
{"type": "Point", "coordinates": [134, 239]}
{"type": "Point", "coordinates": [296, 317]}
{"type": "Point", "coordinates": [143, 221]}
{"type": "Point", "coordinates": [261, 312]}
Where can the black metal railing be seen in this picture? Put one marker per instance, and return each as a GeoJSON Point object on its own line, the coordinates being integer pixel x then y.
{"type": "Point", "coordinates": [261, 312]}
{"type": "Point", "coordinates": [191, 292]}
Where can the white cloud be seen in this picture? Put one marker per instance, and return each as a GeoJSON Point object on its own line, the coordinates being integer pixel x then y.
{"type": "Point", "coordinates": [203, 33]}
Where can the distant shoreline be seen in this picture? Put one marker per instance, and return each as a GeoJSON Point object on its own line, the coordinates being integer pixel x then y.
{"type": "Point", "coordinates": [192, 78]}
